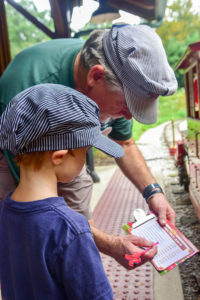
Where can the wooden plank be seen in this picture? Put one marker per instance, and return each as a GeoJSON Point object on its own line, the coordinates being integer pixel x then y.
{"type": "Point", "coordinates": [5, 55]}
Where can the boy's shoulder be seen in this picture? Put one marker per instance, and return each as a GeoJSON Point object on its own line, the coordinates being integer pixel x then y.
{"type": "Point", "coordinates": [50, 215]}
{"type": "Point", "coordinates": [64, 226]}
{"type": "Point", "coordinates": [75, 221]}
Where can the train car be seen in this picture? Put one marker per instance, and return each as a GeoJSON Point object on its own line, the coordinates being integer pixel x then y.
{"type": "Point", "coordinates": [190, 63]}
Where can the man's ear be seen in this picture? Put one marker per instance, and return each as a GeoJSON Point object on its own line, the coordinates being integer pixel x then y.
{"type": "Point", "coordinates": [95, 73]}
{"type": "Point", "coordinates": [58, 156]}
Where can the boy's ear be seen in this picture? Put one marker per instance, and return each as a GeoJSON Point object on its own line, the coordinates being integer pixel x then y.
{"type": "Point", "coordinates": [57, 156]}
{"type": "Point", "coordinates": [95, 73]}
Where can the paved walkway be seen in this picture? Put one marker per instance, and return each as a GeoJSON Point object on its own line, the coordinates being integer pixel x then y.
{"type": "Point", "coordinates": [156, 153]}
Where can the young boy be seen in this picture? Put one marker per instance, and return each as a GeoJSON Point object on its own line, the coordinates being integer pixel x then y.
{"type": "Point", "coordinates": [46, 249]}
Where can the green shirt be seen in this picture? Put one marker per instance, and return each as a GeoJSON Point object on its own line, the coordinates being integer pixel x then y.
{"type": "Point", "coordinates": [121, 128]}
{"type": "Point", "coordinates": [49, 62]}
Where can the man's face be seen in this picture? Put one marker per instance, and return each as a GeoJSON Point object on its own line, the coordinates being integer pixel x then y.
{"type": "Point", "coordinates": [92, 84]}
{"type": "Point", "coordinates": [111, 104]}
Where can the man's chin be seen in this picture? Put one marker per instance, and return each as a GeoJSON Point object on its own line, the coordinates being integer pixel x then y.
{"type": "Point", "coordinates": [104, 118]}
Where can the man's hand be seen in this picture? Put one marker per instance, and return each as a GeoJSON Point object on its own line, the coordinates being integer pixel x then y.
{"type": "Point", "coordinates": [130, 245]}
{"type": "Point", "coordinates": [118, 246]}
{"type": "Point", "coordinates": [161, 207]}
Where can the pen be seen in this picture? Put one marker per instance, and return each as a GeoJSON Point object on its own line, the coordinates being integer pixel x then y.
{"type": "Point", "coordinates": [135, 258]}
{"type": "Point", "coordinates": [149, 248]}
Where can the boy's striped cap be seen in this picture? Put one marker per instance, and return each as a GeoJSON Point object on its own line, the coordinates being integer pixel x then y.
{"type": "Point", "coordinates": [49, 117]}
{"type": "Point", "coordinates": [136, 55]}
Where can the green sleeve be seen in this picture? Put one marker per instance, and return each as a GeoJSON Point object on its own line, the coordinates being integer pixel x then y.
{"type": "Point", "coordinates": [121, 129]}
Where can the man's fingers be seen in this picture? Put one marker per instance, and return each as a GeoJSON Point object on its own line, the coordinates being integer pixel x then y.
{"type": "Point", "coordinates": [141, 257]}
{"type": "Point", "coordinates": [161, 207]}
{"type": "Point", "coordinates": [140, 241]}
{"type": "Point", "coordinates": [162, 217]}
{"type": "Point", "coordinates": [132, 246]}
{"type": "Point", "coordinates": [149, 255]}
{"type": "Point", "coordinates": [166, 213]}
{"type": "Point", "coordinates": [171, 216]}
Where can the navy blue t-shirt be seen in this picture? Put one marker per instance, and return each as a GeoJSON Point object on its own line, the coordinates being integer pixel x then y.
{"type": "Point", "coordinates": [47, 252]}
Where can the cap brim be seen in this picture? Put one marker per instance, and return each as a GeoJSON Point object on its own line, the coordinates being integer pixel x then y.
{"type": "Point", "coordinates": [143, 110]}
{"type": "Point", "coordinates": [109, 147]}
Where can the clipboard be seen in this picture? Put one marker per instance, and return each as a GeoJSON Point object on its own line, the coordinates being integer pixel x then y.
{"type": "Point", "coordinates": [173, 247]}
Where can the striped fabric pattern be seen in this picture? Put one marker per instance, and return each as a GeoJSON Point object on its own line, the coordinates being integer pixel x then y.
{"type": "Point", "coordinates": [136, 55]}
{"type": "Point", "coordinates": [52, 117]}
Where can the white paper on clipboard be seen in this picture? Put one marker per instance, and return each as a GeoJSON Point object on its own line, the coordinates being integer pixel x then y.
{"type": "Point", "coordinates": [173, 246]}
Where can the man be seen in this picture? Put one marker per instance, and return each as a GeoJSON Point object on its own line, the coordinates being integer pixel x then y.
{"type": "Point", "coordinates": [123, 70]}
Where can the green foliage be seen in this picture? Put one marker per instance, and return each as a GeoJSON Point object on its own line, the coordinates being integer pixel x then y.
{"type": "Point", "coordinates": [179, 29]}
{"type": "Point", "coordinates": [89, 27]}
{"type": "Point", "coordinates": [22, 33]}
{"type": "Point", "coordinates": [169, 107]}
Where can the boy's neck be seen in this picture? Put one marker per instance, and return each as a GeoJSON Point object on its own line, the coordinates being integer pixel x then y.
{"type": "Point", "coordinates": [35, 185]}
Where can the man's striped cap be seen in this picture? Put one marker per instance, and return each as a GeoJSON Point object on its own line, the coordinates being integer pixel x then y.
{"type": "Point", "coordinates": [49, 117]}
{"type": "Point", "coordinates": [137, 57]}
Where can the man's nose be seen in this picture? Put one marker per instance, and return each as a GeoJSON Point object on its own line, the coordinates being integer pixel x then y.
{"type": "Point", "coordinates": [127, 115]}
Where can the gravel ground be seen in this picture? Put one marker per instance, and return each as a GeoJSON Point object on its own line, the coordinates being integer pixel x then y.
{"type": "Point", "coordinates": [187, 223]}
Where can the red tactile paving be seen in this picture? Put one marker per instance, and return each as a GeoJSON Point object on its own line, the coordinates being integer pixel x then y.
{"type": "Point", "coordinates": [114, 210]}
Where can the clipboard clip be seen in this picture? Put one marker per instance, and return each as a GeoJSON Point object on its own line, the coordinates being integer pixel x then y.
{"type": "Point", "coordinates": [139, 214]}
{"type": "Point", "coordinates": [141, 217]}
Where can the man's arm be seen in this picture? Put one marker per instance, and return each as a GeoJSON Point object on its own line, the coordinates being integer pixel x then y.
{"type": "Point", "coordinates": [134, 167]}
